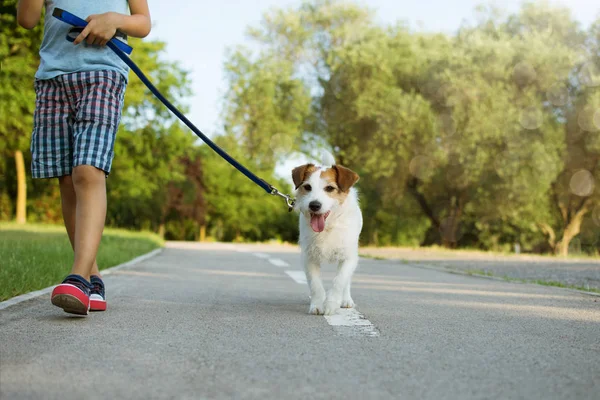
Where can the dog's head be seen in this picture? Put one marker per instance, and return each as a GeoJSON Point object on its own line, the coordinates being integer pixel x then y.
{"type": "Point", "coordinates": [320, 191]}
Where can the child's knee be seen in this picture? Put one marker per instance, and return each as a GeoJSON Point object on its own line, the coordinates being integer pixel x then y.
{"type": "Point", "coordinates": [85, 175]}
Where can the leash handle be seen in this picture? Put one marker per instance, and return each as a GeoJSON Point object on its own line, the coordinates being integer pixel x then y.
{"type": "Point", "coordinates": [74, 20]}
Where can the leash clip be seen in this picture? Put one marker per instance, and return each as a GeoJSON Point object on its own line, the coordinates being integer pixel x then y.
{"type": "Point", "coordinates": [288, 199]}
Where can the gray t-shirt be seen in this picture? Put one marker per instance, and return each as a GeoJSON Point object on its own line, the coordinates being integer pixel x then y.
{"type": "Point", "coordinates": [59, 56]}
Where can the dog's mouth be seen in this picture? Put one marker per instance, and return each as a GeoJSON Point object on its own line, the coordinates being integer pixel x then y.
{"type": "Point", "coordinates": [317, 221]}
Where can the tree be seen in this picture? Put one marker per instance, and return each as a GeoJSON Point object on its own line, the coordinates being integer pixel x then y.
{"type": "Point", "coordinates": [150, 143]}
{"type": "Point", "coordinates": [149, 146]}
{"type": "Point", "coordinates": [146, 161]}
{"type": "Point", "coordinates": [575, 193]}
{"type": "Point", "coordinates": [502, 144]}
{"type": "Point", "coordinates": [265, 106]}
{"type": "Point", "coordinates": [186, 199]}
{"type": "Point", "coordinates": [18, 64]}
{"type": "Point", "coordinates": [469, 125]}
{"type": "Point", "coordinates": [237, 208]}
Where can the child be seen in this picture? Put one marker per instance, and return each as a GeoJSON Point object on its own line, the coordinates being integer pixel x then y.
{"type": "Point", "coordinates": [79, 99]}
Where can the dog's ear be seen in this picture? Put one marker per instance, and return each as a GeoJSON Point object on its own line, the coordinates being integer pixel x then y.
{"type": "Point", "coordinates": [299, 174]}
{"type": "Point", "coordinates": [346, 178]}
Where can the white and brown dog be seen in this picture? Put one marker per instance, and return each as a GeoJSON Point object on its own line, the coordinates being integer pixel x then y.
{"type": "Point", "coordinates": [330, 225]}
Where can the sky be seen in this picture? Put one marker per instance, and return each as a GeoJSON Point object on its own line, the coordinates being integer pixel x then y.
{"type": "Point", "coordinates": [198, 33]}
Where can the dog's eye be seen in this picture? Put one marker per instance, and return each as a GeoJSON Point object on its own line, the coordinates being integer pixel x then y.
{"type": "Point", "coordinates": [329, 189]}
{"type": "Point", "coordinates": [308, 188]}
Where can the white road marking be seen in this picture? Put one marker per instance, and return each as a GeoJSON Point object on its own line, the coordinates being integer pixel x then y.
{"type": "Point", "coordinates": [260, 255]}
{"type": "Point", "coordinates": [349, 322]}
{"type": "Point", "coordinates": [278, 262]}
{"type": "Point", "coordinates": [298, 276]}
{"type": "Point", "coordinates": [346, 321]}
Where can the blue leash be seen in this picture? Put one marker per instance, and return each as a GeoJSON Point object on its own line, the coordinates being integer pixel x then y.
{"type": "Point", "coordinates": [122, 50]}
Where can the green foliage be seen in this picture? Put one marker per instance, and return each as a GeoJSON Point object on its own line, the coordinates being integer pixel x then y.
{"type": "Point", "coordinates": [481, 139]}
{"type": "Point", "coordinates": [473, 128]}
{"type": "Point", "coordinates": [150, 143]}
{"type": "Point", "coordinates": [18, 63]}
{"type": "Point", "coordinates": [238, 208]}
{"type": "Point", "coordinates": [146, 160]}
{"type": "Point", "coordinates": [265, 106]}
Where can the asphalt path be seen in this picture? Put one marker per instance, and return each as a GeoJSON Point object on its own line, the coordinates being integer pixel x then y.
{"type": "Point", "coordinates": [220, 321]}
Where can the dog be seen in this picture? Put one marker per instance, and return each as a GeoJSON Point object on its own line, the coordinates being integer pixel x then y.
{"type": "Point", "coordinates": [330, 222]}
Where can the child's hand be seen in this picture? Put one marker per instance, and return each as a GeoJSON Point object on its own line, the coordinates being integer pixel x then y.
{"type": "Point", "coordinates": [100, 29]}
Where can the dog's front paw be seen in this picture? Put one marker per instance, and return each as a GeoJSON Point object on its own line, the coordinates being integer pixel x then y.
{"type": "Point", "coordinates": [347, 303]}
{"type": "Point", "coordinates": [331, 306]}
{"type": "Point", "coordinates": [316, 308]}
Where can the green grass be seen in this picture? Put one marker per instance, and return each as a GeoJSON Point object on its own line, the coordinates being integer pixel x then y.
{"type": "Point", "coordinates": [372, 257]}
{"type": "Point", "coordinates": [553, 283]}
{"type": "Point", "coordinates": [33, 257]}
{"type": "Point", "coordinates": [478, 272]}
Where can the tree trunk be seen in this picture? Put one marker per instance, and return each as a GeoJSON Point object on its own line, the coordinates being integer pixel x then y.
{"type": "Point", "coordinates": [375, 238]}
{"type": "Point", "coordinates": [571, 230]}
{"type": "Point", "coordinates": [202, 237]}
{"type": "Point", "coordinates": [418, 196]}
{"type": "Point", "coordinates": [161, 230]}
{"type": "Point", "coordinates": [449, 226]}
{"type": "Point", "coordinates": [449, 231]}
{"type": "Point", "coordinates": [551, 236]}
{"type": "Point", "coordinates": [21, 188]}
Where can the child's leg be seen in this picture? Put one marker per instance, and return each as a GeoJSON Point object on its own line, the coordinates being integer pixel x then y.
{"type": "Point", "coordinates": [100, 101]}
{"type": "Point", "coordinates": [52, 155]}
{"type": "Point", "coordinates": [69, 208]}
{"type": "Point", "coordinates": [90, 190]}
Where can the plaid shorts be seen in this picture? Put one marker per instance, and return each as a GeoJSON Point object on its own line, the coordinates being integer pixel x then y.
{"type": "Point", "coordinates": [75, 122]}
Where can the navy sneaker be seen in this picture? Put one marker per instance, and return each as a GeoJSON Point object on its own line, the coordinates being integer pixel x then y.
{"type": "Point", "coordinates": [97, 294]}
{"type": "Point", "coordinates": [73, 295]}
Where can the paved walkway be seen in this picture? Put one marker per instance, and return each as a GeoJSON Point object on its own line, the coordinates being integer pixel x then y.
{"type": "Point", "coordinates": [230, 322]}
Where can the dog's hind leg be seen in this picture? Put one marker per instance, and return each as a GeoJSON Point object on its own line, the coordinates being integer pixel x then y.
{"type": "Point", "coordinates": [312, 268]}
{"type": "Point", "coordinates": [341, 286]}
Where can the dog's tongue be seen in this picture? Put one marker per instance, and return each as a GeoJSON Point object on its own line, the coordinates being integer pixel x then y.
{"type": "Point", "coordinates": [317, 222]}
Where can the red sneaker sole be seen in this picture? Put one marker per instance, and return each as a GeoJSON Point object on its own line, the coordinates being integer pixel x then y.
{"type": "Point", "coordinates": [71, 299]}
{"type": "Point", "coordinates": [97, 305]}
{"type": "Point", "coordinates": [70, 304]}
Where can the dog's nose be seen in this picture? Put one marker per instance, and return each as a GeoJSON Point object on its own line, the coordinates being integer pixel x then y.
{"type": "Point", "coordinates": [314, 206]}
